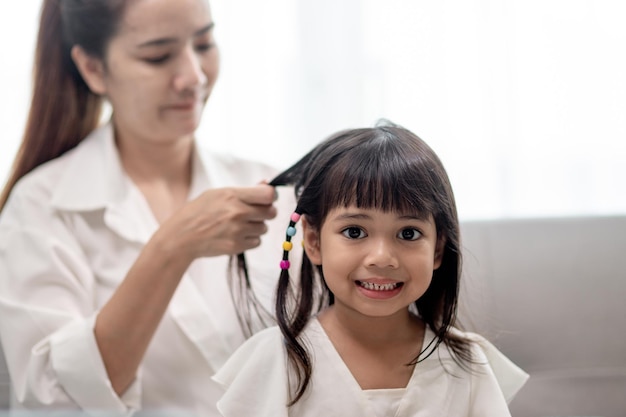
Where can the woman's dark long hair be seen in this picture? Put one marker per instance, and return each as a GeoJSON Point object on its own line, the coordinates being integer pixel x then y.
{"type": "Point", "coordinates": [388, 168]}
{"type": "Point", "coordinates": [63, 110]}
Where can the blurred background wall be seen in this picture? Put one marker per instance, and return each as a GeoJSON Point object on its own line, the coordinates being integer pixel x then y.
{"type": "Point", "coordinates": [524, 100]}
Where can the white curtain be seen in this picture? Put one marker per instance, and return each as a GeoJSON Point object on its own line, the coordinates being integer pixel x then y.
{"type": "Point", "coordinates": [524, 101]}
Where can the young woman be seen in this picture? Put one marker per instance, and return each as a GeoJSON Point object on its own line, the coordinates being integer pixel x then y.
{"type": "Point", "coordinates": [115, 239]}
{"type": "Point", "coordinates": [370, 330]}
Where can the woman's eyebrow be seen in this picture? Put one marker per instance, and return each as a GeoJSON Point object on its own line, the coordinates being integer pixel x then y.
{"type": "Point", "coordinates": [166, 41]}
{"type": "Point", "coordinates": [205, 29]}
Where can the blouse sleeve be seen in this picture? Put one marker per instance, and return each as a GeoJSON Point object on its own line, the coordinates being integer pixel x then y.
{"type": "Point", "coordinates": [47, 315]}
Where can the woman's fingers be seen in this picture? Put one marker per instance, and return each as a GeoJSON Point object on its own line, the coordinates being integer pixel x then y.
{"type": "Point", "coordinates": [261, 194]}
{"type": "Point", "coordinates": [222, 221]}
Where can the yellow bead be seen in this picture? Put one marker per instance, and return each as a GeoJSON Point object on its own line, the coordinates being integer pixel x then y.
{"type": "Point", "coordinates": [287, 246]}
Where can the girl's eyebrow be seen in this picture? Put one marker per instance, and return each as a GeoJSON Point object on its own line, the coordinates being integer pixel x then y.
{"type": "Point", "coordinates": [166, 41]}
{"type": "Point", "coordinates": [352, 216]}
{"type": "Point", "coordinates": [363, 216]}
{"type": "Point", "coordinates": [419, 216]}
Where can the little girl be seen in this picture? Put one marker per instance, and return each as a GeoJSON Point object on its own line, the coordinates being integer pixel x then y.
{"type": "Point", "coordinates": [367, 329]}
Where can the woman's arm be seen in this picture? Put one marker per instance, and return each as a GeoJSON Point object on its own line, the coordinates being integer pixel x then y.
{"type": "Point", "coordinates": [219, 222]}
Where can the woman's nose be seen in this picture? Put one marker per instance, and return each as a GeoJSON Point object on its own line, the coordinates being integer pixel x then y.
{"type": "Point", "coordinates": [190, 73]}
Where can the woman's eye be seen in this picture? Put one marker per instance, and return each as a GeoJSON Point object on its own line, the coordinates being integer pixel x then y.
{"type": "Point", "coordinates": [409, 234]}
{"type": "Point", "coordinates": [157, 59]}
{"type": "Point", "coordinates": [353, 233]}
{"type": "Point", "coordinates": [204, 47]}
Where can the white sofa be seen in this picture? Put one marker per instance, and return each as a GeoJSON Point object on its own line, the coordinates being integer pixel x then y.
{"type": "Point", "coordinates": [551, 294]}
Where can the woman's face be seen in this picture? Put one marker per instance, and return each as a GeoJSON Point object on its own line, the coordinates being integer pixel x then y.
{"type": "Point", "coordinates": [160, 68]}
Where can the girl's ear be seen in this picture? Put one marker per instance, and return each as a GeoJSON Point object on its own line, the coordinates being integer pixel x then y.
{"type": "Point", "coordinates": [311, 242]}
{"type": "Point", "coordinates": [90, 68]}
{"type": "Point", "coordinates": [439, 249]}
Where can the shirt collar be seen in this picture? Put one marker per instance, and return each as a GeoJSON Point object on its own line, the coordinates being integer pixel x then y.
{"type": "Point", "coordinates": [93, 178]}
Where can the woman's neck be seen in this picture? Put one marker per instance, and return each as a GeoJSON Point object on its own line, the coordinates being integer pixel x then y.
{"type": "Point", "coordinates": [161, 170]}
{"type": "Point", "coordinates": [146, 161]}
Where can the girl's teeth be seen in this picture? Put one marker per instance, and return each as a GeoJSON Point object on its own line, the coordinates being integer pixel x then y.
{"type": "Point", "coordinates": [377, 287]}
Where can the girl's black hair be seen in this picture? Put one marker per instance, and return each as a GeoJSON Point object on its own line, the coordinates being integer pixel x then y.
{"type": "Point", "coordinates": [388, 168]}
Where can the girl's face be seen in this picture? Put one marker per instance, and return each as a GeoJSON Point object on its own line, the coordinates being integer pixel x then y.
{"type": "Point", "coordinates": [160, 68]}
{"type": "Point", "coordinates": [376, 263]}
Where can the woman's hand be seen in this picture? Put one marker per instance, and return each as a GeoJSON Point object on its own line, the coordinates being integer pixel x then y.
{"type": "Point", "coordinates": [222, 221]}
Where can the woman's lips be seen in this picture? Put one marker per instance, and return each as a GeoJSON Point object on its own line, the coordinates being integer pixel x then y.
{"type": "Point", "coordinates": [183, 106]}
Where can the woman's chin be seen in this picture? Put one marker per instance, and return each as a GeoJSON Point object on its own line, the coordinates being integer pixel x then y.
{"type": "Point", "coordinates": [183, 128]}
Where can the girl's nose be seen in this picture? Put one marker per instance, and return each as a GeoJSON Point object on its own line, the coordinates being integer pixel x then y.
{"type": "Point", "coordinates": [381, 255]}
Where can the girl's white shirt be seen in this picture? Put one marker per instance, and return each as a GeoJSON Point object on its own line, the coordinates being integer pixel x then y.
{"type": "Point", "coordinates": [256, 381]}
{"type": "Point", "coordinates": [68, 235]}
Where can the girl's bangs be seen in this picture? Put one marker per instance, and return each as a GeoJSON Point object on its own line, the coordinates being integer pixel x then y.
{"type": "Point", "coordinates": [386, 179]}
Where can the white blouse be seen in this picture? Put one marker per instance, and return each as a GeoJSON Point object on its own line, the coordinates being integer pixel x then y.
{"type": "Point", "coordinates": [385, 402]}
{"type": "Point", "coordinates": [68, 235]}
{"type": "Point", "coordinates": [256, 382]}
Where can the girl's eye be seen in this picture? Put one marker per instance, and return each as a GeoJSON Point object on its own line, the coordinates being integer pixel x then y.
{"type": "Point", "coordinates": [409, 234]}
{"type": "Point", "coordinates": [353, 233]}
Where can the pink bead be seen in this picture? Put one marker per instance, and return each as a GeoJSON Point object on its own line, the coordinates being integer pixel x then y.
{"type": "Point", "coordinates": [284, 264]}
{"type": "Point", "coordinates": [295, 217]}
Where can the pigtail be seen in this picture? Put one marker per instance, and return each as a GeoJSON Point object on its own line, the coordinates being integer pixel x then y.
{"type": "Point", "coordinates": [292, 319]}
{"type": "Point", "coordinates": [291, 325]}
{"type": "Point", "coordinates": [294, 307]}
